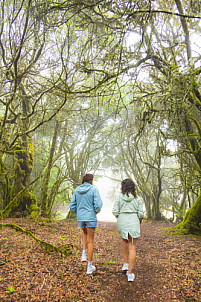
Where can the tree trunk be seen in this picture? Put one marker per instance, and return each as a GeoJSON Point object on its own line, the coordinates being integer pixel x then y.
{"type": "Point", "coordinates": [159, 189]}
{"type": "Point", "coordinates": [185, 28]}
{"type": "Point", "coordinates": [147, 201]}
{"type": "Point", "coordinates": [23, 164]}
{"type": "Point", "coordinates": [180, 213]}
{"type": "Point", "coordinates": [44, 188]}
{"type": "Point", "coordinates": [53, 193]}
{"type": "Point", "coordinates": [192, 220]}
{"type": "Point", "coordinates": [70, 214]}
{"type": "Point", "coordinates": [157, 212]}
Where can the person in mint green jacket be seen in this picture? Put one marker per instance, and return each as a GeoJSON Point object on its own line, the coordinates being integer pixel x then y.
{"type": "Point", "coordinates": [86, 203]}
{"type": "Point", "coordinates": [128, 210]}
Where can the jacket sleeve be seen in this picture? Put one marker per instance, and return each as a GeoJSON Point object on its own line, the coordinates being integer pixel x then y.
{"type": "Point", "coordinates": [140, 211]}
{"type": "Point", "coordinates": [116, 207]}
{"type": "Point", "coordinates": [97, 201]}
{"type": "Point", "coordinates": [73, 204]}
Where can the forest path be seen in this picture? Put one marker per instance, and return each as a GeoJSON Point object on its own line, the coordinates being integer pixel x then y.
{"type": "Point", "coordinates": [168, 268]}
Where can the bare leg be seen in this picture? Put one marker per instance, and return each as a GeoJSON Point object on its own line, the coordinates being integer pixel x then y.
{"type": "Point", "coordinates": [125, 250]}
{"type": "Point", "coordinates": [84, 238]}
{"type": "Point", "coordinates": [90, 242]}
{"type": "Point", "coordinates": [132, 252]}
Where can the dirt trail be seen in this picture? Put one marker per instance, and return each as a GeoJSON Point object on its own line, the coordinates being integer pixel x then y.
{"type": "Point", "coordinates": [168, 268]}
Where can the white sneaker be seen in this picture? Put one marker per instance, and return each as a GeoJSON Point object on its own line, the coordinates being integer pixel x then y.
{"type": "Point", "coordinates": [91, 269]}
{"type": "Point", "coordinates": [131, 277]}
{"type": "Point", "coordinates": [84, 258]}
{"type": "Point", "coordinates": [125, 267]}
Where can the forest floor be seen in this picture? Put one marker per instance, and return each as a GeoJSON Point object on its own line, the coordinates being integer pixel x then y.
{"type": "Point", "coordinates": [168, 266]}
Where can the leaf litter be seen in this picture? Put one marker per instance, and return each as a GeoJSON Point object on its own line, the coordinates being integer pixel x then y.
{"type": "Point", "coordinates": [168, 267]}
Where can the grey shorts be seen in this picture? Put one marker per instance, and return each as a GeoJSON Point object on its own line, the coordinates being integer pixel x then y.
{"type": "Point", "coordinates": [88, 224]}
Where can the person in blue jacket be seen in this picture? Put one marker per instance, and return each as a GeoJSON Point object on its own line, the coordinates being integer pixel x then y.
{"type": "Point", "coordinates": [86, 203]}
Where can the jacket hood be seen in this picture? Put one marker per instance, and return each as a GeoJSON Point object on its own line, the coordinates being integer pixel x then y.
{"type": "Point", "coordinates": [127, 198]}
{"type": "Point", "coordinates": [84, 188]}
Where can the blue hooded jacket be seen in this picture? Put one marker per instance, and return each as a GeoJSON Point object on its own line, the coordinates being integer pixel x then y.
{"type": "Point", "coordinates": [86, 202]}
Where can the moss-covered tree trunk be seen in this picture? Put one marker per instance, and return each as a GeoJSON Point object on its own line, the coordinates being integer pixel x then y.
{"type": "Point", "coordinates": [147, 201]}
{"type": "Point", "coordinates": [70, 214]}
{"type": "Point", "coordinates": [192, 220]}
{"type": "Point", "coordinates": [23, 164]}
{"type": "Point", "coordinates": [180, 213]}
{"type": "Point", "coordinates": [158, 190]}
{"type": "Point", "coordinates": [156, 203]}
{"type": "Point", "coordinates": [52, 194]}
{"type": "Point", "coordinates": [147, 196]}
{"type": "Point", "coordinates": [46, 178]}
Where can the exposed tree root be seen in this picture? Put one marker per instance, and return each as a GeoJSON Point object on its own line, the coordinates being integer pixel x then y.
{"type": "Point", "coordinates": [64, 250]}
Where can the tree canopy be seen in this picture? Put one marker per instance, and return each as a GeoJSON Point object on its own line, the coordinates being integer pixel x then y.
{"type": "Point", "coordinates": [100, 83]}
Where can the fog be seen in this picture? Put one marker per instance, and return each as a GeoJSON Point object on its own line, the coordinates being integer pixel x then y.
{"type": "Point", "coordinates": [108, 190]}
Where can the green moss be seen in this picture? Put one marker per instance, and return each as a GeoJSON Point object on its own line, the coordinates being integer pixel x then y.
{"type": "Point", "coordinates": [23, 164]}
{"type": "Point", "coordinates": [34, 207]}
{"type": "Point", "coordinates": [192, 220]}
{"type": "Point", "coordinates": [15, 205]}
{"type": "Point", "coordinates": [34, 214]}
{"type": "Point", "coordinates": [11, 191]}
{"type": "Point", "coordinates": [35, 211]}
{"type": "Point", "coordinates": [64, 250]}
{"type": "Point", "coordinates": [31, 147]}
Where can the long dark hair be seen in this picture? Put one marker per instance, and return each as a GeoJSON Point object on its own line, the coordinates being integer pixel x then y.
{"type": "Point", "coordinates": [128, 186]}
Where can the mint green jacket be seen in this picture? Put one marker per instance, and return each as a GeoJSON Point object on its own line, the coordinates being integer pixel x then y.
{"type": "Point", "coordinates": [128, 204]}
{"type": "Point", "coordinates": [128, 211]}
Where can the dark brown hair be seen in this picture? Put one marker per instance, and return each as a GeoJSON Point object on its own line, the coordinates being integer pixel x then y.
{"type": "Point", "coordinates": [128, 186]}
{"type": "Point", "coordinates": [87, 178]}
